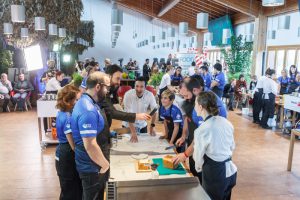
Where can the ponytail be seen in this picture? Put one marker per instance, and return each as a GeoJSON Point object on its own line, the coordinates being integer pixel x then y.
{"type": "Point", "coordinates": [208, 101]}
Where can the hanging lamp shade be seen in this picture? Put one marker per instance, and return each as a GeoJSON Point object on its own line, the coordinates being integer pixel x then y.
{"type": "Point", "coordinates": [116, 29]}
{"type": "Point", "coordinates": [183, 28]}
{"type": "Point", "coordinates": [163, 35]}
{"type": "Point", "coordinates": [202, 20]}
{"type": "Point", "coordinates": [272, 35]}
{"type": "Point", "coordinates": [272, 3]}
{"type": "Point", "coordinates": [250, 29]}
{"type": "Point", "coordinates": [62, 32]}
{"type": "Point", "coordinates": [152, 39]}
{"type": "Point", "coordinates": [39, 24]}
{"type": "Point", "coordinates": [52, 29]}
{"type": "Point", "coordinates": [71, 38]}
{"type": "Point", "coordinates": [7, 29]}
{"type": "Point", "coordinates": [284, 22]}
{"type": "Point", "coordinates": [17, 13]}
{"type": "Point", "coordinates": [24, 32]}
{"type": "Point", "coordinates": [116, 16]}
{"type": "Point", "coordinates": [171, 32]}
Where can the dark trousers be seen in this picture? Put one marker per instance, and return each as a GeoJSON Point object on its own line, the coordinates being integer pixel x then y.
{"type": "Point", "coordinates": [69, 180]}
{"type": "Point", "coordinates": [144, 130]}
{"type": "Point", "coordinates": [193, 170]}
{"type": "Point", "coordinates": [257, 106]}
{"type": "Point", "coordinates": [214, 180]}
{"type": "Point", "coordinates": [93, 185]}
{"type": "Point", "coordinates": [231, 100]}
{"type": "Point", "coordinates": [268, 111]}
{"type": "Point", "coordinates": [5, 102]}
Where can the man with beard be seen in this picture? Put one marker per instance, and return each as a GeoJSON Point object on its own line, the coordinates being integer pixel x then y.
{"type": "Point", "coordinates": [89, 128]}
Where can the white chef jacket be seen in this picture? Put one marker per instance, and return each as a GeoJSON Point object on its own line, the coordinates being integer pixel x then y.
{"type": "Point", "coordinates": [269, 86]}
{"type": "Point", "coordinates": [215, 139]}
{"type": "Point", "coordinates": [134, 104]}
{"type": "Point", "coordinates": [165, 81]}
{"type": "Point", "coordinates": [53, 85]}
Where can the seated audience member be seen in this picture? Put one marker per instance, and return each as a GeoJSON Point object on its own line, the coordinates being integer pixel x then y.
{"type": "Point", "coordinates": [5, 88]}
{"type": "Point", "coordinates": [50, 73]}
{"type": "Point", "coordinates": [229, 93]}
{"type": "Point", "coordinates": [197, 73]}
{"type": "Point", "coordinates": [22, 88]}
{"type": "Point", "coordinates": [240, 89]}
{"type": "Point", "coordinates": [206, 76]}
{"type": "Point", "coordinates": [218, 80]}
{"type": "Point", "coordinates": [172, 116]}
{"type": "Point", "coordinates": [283, 82]}
{"type": "Point", "coordinates": [253, 82]}
{"type": "Point", "coordinates": [146, 70]}
{"type": "Point", "coordinates": [138, 100]}
{"type": "Point", "coordinates": [54, 84]}
{"type": "Point", "coordinates": [91, 68]}
{"type": "Point", "coordinates": [292, 79]}
{"type": "Point", "coordinates": [177, 78]}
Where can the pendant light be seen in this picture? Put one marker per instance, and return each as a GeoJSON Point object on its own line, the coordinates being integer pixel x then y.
{"type": "Point", "coordinates": [62, 32]}
{"type": "Point", "coordinates": [39, 24]}
{"type": "Point", "coordinates": [171, 32]}
{"type": "Point", "coordinates": [272, 3]}
{"type": "Point", "coordinates": [52, 29]}
{"type": "Point", "coordinates": [116, 16]}
{"type": "Point", "coordinates": [202, 20]}
{"type": "Point", "coordinates": [183, 28]}
{"type": "Point", "coordinates": [284, 22]}
{"type": "Point", "coordinates": [24, 32]}
{"type": "Point", "coordinates": [17, 13]}
{"type": "Point", "coordinates": [7, 29]}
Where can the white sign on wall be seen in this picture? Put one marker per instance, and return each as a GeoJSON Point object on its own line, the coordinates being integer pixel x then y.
{"type": "Point", "coordinates": [185, 60]}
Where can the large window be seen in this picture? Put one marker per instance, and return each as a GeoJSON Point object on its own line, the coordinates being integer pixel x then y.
{"type": "Point", "coordinates": [279, 61]}
{"type": "Point", "coordinates": [290, 57]}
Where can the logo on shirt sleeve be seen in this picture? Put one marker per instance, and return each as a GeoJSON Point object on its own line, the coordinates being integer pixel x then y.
{"type": "Point", "coordinates": [178, 116]}
{"type": "Point", "coordinates": [68, 126]}
{"type": "Point", "coordinates": [87, 126]}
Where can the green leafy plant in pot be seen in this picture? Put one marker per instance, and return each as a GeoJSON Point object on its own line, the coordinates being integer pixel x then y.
{"type": "Point", "coordinates": [155, 79]}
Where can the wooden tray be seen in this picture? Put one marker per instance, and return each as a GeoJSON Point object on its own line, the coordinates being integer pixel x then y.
{"type": "Point", "coordinates": [137, 170]}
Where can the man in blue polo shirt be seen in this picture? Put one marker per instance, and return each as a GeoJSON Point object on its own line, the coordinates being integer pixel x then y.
{"type": "Point", "coordinates": [218, 81]}
{"type": "Point", "coordinates": [87, 125]}
{"type": "Point", "coordinates": [206, 76]}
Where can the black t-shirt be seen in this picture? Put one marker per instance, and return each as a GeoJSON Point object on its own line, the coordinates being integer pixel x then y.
{"type": "Point", "coordinates": [188, 107]}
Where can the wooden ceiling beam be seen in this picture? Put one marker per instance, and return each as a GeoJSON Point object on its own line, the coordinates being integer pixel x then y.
{"type": "Point", "coordinates": [290, 6]}
{"type": "Point", "coordinates": [242, 6]}
{"type": "Point", "coordinates": [167, 7]}
{"type": "Point", "coordinates": [240, 18]}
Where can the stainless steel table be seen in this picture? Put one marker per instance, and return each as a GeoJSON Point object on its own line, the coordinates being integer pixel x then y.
{"type": "Point", "coordinates": [126, 184]}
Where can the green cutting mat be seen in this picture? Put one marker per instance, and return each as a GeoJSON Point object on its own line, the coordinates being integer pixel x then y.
{"type": "Point", "coordinates": [165, 171]}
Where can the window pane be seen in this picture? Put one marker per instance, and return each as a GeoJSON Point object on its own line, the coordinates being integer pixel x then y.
{"type": "Point", "coordinates": [290, 58]}
{"type": "Point", "coordinates": [279, 61]}
{"type": "Point", "coordinates": [271, 60]}
{"type": "Point", "coordinates": [298, 60]}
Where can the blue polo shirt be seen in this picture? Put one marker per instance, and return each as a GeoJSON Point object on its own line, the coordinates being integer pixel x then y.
{"type": "Point", "coordinates": [177, 78]}
{"type": "Point", "coordinates": [83, 83]}
{"type": "Point", "coordinates": [282, 80]}
{"type": "Point", "coordinates": [222, 112]}
{"type": "Point", "coordinates": [207, 80]}
{"type": "Point", "coordinates": [220, 78]}
{"type": "Point", "coordinates": [86, 122]}
{"type": "Point", "coordinates": [175, 114]}
{"type": "Point", "coordinates": [63, 126]}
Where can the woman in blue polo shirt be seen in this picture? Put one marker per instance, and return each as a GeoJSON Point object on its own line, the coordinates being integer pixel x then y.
{"type": "Point", "coordinates": [70, 182]}
{"type": "Point", "coordinates": [283, 81]}
{"type": "Point", "coordinates": [218, 81]}
{"type": "Point", "coordinates": [176, 78]}
{"type": "Point", "coordinates": [293, 85]}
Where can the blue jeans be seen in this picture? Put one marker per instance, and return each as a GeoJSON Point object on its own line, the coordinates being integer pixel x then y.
{"type": "Point", "coordinates": [20, 99]}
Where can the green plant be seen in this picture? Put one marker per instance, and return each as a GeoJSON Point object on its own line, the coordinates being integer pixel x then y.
{"type": "Point", "coordinates": [238, 57]}
{"type": "Point", "coordinates": [77, 79]}
{"type": "Point", "coordinates": [155, 79]}
{"type": "Point", "coordinates": [5, 60]}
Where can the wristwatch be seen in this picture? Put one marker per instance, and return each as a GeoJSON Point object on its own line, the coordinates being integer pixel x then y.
{"type": "Point", "coordinates": [152, 125]}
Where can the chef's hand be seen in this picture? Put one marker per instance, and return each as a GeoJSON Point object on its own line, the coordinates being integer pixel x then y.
{"type": "Point", "coordinates": [179, 158]}
{"type": "Point", "coordinates": [142, 116]}
{"type": "Point", "coordinates": [152, 131]}
{"type": "Point", "coordinates": [180, 142]}
{"type": "Point", "coordinates": [134, 138]}
{"type": "Point", "coordinates": [105, 167]}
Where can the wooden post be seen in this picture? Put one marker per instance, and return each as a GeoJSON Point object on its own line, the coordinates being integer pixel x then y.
{"type": "Point", "coordinates": [259, 44]}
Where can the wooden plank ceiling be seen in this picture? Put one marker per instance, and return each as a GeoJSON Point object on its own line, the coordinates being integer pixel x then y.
{"type": "Point", "coordinates": [186, 10]}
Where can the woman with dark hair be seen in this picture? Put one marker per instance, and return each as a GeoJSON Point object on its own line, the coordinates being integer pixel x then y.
{"type": "Point", "coordinates": [283, 82]}
{"type": "Point", "coordinates": [213, 148]}
{"type": "Point", "coordinates": [69, 180]}
{"type": "Point", "coordinates": [177, 78]}
{"type": "Point", "coordinates": [292, 79]}
{"type": "Point", "coordinates": [240, 89]}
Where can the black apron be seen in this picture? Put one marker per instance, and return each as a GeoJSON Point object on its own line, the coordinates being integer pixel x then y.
{"type": "Point", "coordinates": [170, 124]}
{"type": "Point", "coordinates": [218, 91]}
{"type": "Point", "coordinates": [293, 85]}
{"type": "Point", "coordinates": [268, 109]}
{"type": "Point", "coordinates": [283, 88]}
{"type": "Point", "coordinates": [257, 104]}
{"type": "Point", "coordinates": [214, 180]}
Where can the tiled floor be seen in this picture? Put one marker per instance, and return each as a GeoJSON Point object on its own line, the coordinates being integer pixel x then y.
{"type": "Point", "coordinates": [261, 156]}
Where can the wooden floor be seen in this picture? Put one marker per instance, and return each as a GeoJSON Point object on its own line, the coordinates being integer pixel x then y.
{"type": "Point", "coordinates": [261, 156]}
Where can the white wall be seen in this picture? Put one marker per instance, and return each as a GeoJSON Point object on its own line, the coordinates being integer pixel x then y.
{"type": "Point", "coordinates": [100, 12]}
{"type": "Point", "coordinates": [284, 37]}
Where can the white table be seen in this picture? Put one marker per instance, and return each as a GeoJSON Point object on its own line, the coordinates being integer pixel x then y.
{"type": "Point", "coordinates": [126, 184]}
{"type": "Point", "coordinates": [45, 109]}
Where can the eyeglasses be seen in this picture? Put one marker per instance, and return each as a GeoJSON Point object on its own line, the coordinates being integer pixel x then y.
{"type": "Point", "coordinates": [107, 86]}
